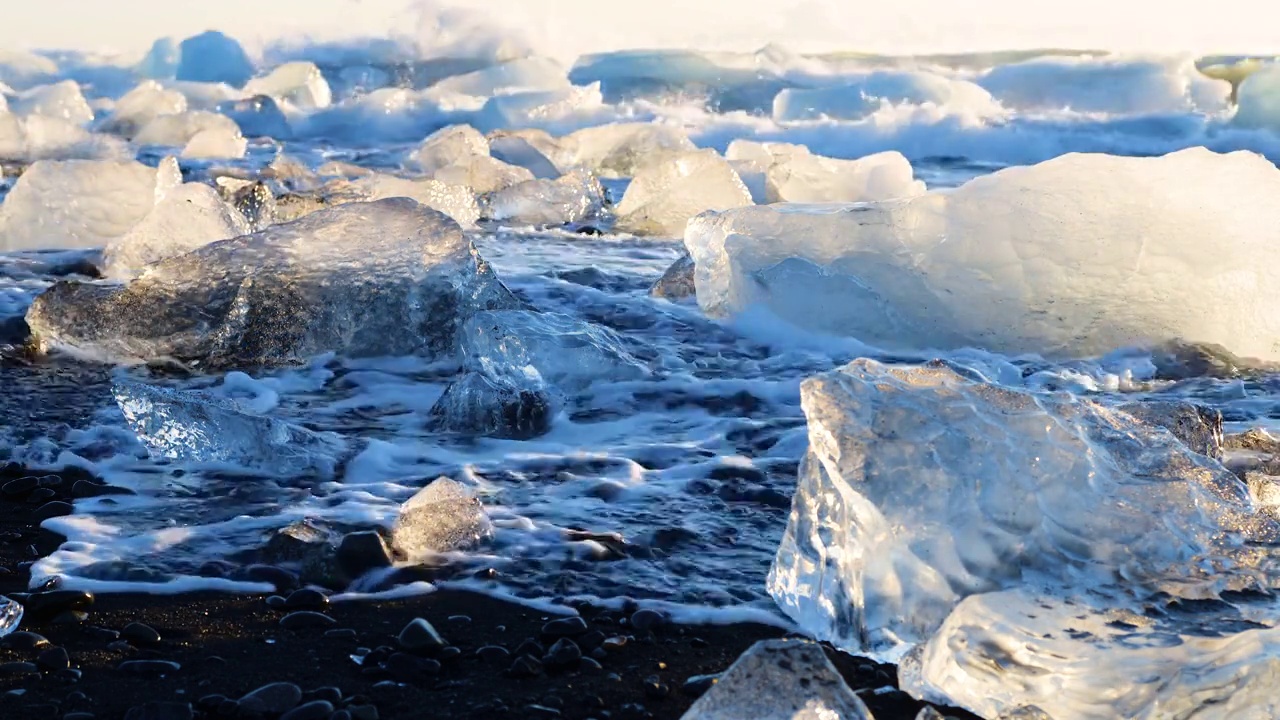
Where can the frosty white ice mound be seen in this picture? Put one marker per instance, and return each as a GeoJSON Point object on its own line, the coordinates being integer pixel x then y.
{"type": "Point", "coordinates": [1076, 256]}
{"type": "Point", "coordinates": [923, 486]}
{"type": "Point", "coordinates": [383, 278]}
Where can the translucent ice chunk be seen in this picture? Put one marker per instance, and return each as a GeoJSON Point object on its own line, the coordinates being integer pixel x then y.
{"type": "Point", "coordinates": [36, 137]}
{"type": "Point", "coordinates": [216, 143]}
{"type": "Point", "coordinates": [452, 145]}
{"type": "Point", "coordinates": [192, 426]}
{"type": "Point", "coordinates": [442, 517]}
{"type": "Point", "coordinates": [541, 107]}
{"type": "Point", "coordinates": [521, 150]}
{"type": "Point", "coordinates": [212, 57]}
{"type": "Point", "coordinates": [673, 188]}
{"type": "Point", "coordinates": [298, 83]}
{"type": "Point", "coordinates": [1076, 256]}
{"type": "Point", "coordinates": [676, 282]}
{"type": "Point", "coordinates": [10, 615]}
{"type": "Point", "coordinates": [177, 129]}
{"type": "Point", "coordinates": [140, 106]}
{"type": "Point", "coordinates": [923, 486]}
{"type": "Point", "coordinates": [456, 201]}
{"type": "Point", "coordinates": [863, 97]}
{"type": "Point", "coordinates": [161, 61]}
{"type": "Point", "coordinates": [188, 217]}
{"type": "Point", "coordinates": [532, 73]}
{"type": "Point", "coordinates": [60, 100]}
{"type": "Point", "coordinates": [806, 178]}
{"type": "Point", "coordinates": [483, 174]}
{"type": "Point", "coordinates": [620, 149]}
{"type": "Point", "coordinates": [258, 116]}
{"type": "Point", "coordinates": [780, 680]}
{"type": "Point", "coordinates": [75, 204]}
{"type": "Point", "coordinates": [565, 352]}
{"type": "Point", "coordinates": [382, 278]}
{"type": "Point", "coordinates": [574, 197]}
{"type": "Point", "coordinates": [505, 407]}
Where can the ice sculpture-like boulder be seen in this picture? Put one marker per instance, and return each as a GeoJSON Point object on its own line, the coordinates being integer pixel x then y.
{"type": "Point", "coordinates": [381, 278]}
{"type": "Point", "coordinates": [61, 100]}
{"type": "Point", "coordinates": [298, 83]}
{"type": "Point", "coordinates": [924, 485]}
{"type": "Point", "coordinates": [780, 680]}
{"type": "Point", "coordinates": [188, 217]}
{"type": "Point", "coordinates": [196, 426]}
{"type": "Point", "coordinates": [673, 188]}
{"type": "Point", "coordinates": [1076, 256]}
{"type": "Point", "coordinates": [78, 203]}
{"type": "Point", "coordinates": [441, 517]}
{"type": "Point", "coordinates": [452, 145]}
{"type": "Point", "coordinates": [620, 149]}
{"type": "Point", "coordinates": [140, 106]}
{"type": "Point", "coordinates": [456, 201]}
{"type": "Point", "coordinates": [807, 178]}
{"type": "Point", "coordinates": [212, 57]}
{"type": "Point", "coordinates": [483, 174]}
{"type": "Point", "coordinates": [573, 197]}
{"type": "Point", "coordinates": [567, 353]}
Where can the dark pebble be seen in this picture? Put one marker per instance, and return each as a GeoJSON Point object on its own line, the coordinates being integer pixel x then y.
{"type": "Point", "coordinates": [306, 619]}
{"type": "Point", "coordinates": [459, 618]}
{"type": "Point", "coordinates": [420, 637]}
{"type": "Point", "coordinates": [363, 711]}
{"type": "Point", "coordinates": [20, 487]}
{"type": "Point", "coordinates": [565, 627]}
{"type": "Point", "coordinates": [227, 708]}
{"type": "Point", "coordinates": [149, 668]}
{"type": "Point", "coordinates": [275, 602]}
{"type": "Point", "coordinates": [54, 509]}
{"type": "Point", "coordinates": [360, 552]}
{"type": "Point", "coordinates": [11, 669]}
{"type": "Point", "coordinates": [493, 654]}
{"type": "Point", "coordinates": [410, 668]}
{"type": "Point", "coordinates": [591, 640]}
{"type": "Point", "coordinates": [591, 664]}
{"type": "Point", "coordinates": [449, 653]}
{"type": "Point", "coordinates": [70, 617]}
{"type": "Point", "coordinates": [340, 715]}
{"type": "Point", "coordinates": [68, 675]}
{"type": "Point", "coordinates": [86, 489]}
{"type": "Point", "coordinates": [210, 702]}
{"type": "Point", "coordinates": [314, 710]}
{"type": "Point", "coordinates": [565, 653]}
{"type": "Point", "coordinates": [24, 642]}
{"type": "Point", "coordinates": [341, 633]}
{"type": "Point", "coordinates": [331, 695]}
{"type": "Point", "coordinates": [161, 711]}
{"type": "Point", "coordinates": [140, 634]}
{"type": "Point", "coordinates": [122, 647]}
{"type": "Point", "coordinates": [276, 698]}
{"type": "Point", "coordinates": [279, 577]}
{"type": "Point", "coordinates": [655, 688]}
{"type": "Point", "coordinates": [696, 685]}
{"type": "Point", "coordinates": [613, 644]}
{"type": "Point", "coordinates": [307, 599]}
{"type": "Point", "coordinates": [54, 659]}
{"type": "Point", "coordinates": [645, 620]}
{"type": "Point", "coordinates": [540, 711]}
{"type": "Point", "coordinates": [41, 495]}
{"type": "Point", "coordinates": [101, 634]}
{"type": "Point", "coordinates": [54, 602]}
{"type": "Point", "coordinates": [530, 647]}
{"type": "Point", "coordinates": [525, 667]}
{"type": "Point", "coordinates": [699, 642]}
{"type": "Point", "coordinates": [633, 711]}
{"type": "Point", "coordinates": [600, 654]}
{"type": "Point", "coordinates": [79, 716]}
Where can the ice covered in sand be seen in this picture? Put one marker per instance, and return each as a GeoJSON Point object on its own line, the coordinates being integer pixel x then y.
{"type": "Point", "coordinates": [187, 217]}
{"type": "Point", "coordinates": [931, 502]}
{"type": "Point", "coordinates": [391, 277]}
{"type": "Point", "coordinates": [1076, 256]}
{"type": "Point", "coordinates": [298, 83]}
{"type": "Point", "coordinates": [674, 187]}
{"type": "Point", "coordinates": [574, 197]}
{"type": "Point", "coordinates": [79, 203]}
{"type": "Point", "coordinates": [779, 172]}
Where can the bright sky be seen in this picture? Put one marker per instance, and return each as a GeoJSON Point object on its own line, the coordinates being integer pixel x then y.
{"type": "Point", "coordinates": [564, 28]}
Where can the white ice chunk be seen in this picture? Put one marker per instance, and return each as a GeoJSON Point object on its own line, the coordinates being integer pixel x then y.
{"type": "Point", "coordinates": [212, 57]}
{"type": "Point", "coordinates": [483, 174]}
{"type": "Point", "coordinates": [62, 100]}
{"type": "Point", "coordinates": [780, 680]}
{"type": "Point", "coordinates": [574, 197]}
{"type": "Point", "coordinates": [567, 353]}
{"type": "Point", "coordinates": [520, 150]}
{"type": "Point", "coordinates": [456, 201]}
{"type": "Point", "coordinates": [298, 83]}
{"type": "Point", "coordinates": [524, 74]}
{"type": "Point", "coordinates": [452, 145]}
{"type": "Point", "coordinates": [178, 129]}
{"type": "Point", "coordinates": [923, 486]}
{"type": "Point", "coordinates": [1073, 257]}
{"type": "Point", "coordinates": [37, 137]}
{"type": "Point", "coordinates": [1120, 85]}
{"type": "Point", "coordinates": [1259, 100]}
{"type": "Point", "coordinates": [194, 426]}
{"type": "Point", "coordinates": [224, 142]}
{"type": "Point", "coordinates": [10, 615]}
{"type": "Point", "coordinates": [188, 217]}
{"type": "Point", "coordinates": [805, 178]}
{"type": "Point", "coordinates": [363, 279]}
{"type": "Point", "coordinates": [620, 149]}
{"type": "Point", "coordinates": [441, 517]}
{"type": "Point", "coordinates": [140, 106]}
{"type": "Point", "coordinates": [675, 187]}
{"type": "Point", "coordinates": [540, 107]}
{"type": "Point", "coordinates": [865, 96]}
{"type": "Point", "coordinates": [75, 204]}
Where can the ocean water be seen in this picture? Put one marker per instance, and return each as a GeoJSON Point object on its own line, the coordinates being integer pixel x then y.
{"type": "Point", "coordinates": [674, 488]}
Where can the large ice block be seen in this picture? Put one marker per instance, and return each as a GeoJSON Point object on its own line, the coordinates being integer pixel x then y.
{"type": "Point", "coordinates": [140, 106]}
{"type": "Point", "coordinates": [212, 57]}
{"type": "Point", "coordinates": [573, 197]}
{"type": "Point", "coordinates": [807, 178]}
{"type": "Point", "coordinates": [483, 174]}
{"type": "Point", "coordinates": [298, 83]}
{"type": "Point", "coordinates": [390, 277]}
{"type": "Point", "coordinates": [673, 188]}
{"type": "Point", "coordinates": [452, 145]}
{"type": "Point", "coordinates": [618, 149]}
{"type": "Point", "coordinates": [456, 201]}
{"type": "Point", "coordinates": [1073, 257]}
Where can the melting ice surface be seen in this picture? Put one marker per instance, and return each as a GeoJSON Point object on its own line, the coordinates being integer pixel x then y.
{"type": "Point", "coordinates": [663, 466]}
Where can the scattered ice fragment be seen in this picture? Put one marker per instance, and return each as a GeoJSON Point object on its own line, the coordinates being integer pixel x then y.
{"type": "Point", "coordinates": [521, 150]}
{"type": "Point", "coordinates": [192, 426]}
{"type": "Point", "coordinates": [619, 149]}
{"type": "Point", "coordinates": [216, 143]}
{"type": "Point", "coordinates": [188, 217]}
{"type": "Point", "coordinates": [483, 174]}
{"type": "Point", "coordinates": [298, 83]}
{"type": "Point", "coordinates": [675, 187]}
{"type": "Point", "coordinates": [780, 680]}
{"type": "Point", "coordinates": [75, 204]}
{"type": "Point", "coordinates": [504, 407]}
{"type": "Point", "coordinates": [140, 106]}
{"type": "Point", "coordinates": [1073, 257]}
{"type": "Point", "coordinates": [574, 197]}
{"type": "Point", "coordinates": [258, 116]}
{"type": "Point", "coordinates": [452, 145]}
{"type": "Point", "coordinates": [565, 352]}
{"type": "Point", "coordinates": [806, 178]}
{"type": "Point", "coordinates": [923, 486]}
{"type": "Point", "coordinates": [178, 129]}
{"type": "Point", "coordinates": [62, 100]}
{"type": "Point", "coordinates": [10, 615]}
{"type": "Point", "coordinates": [442, 517]}
{"type": "Point", "coordinates": [212, 57]}
{"type": "Point", "coordinates": [456, 201]}
{"type": "Point", "coordinates": [363, 279]}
